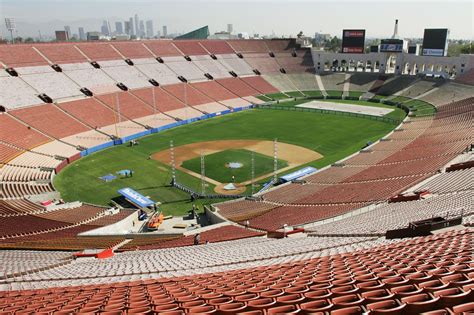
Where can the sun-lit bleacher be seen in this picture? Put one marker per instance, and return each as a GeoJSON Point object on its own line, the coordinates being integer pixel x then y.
{"type": "Point", "coordinates": [339, 262]}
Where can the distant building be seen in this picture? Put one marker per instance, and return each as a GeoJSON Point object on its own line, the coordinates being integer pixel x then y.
{"type": "Point", "coordinates": [131, 28]}
{"type": "Point", "coordinates": [230, 28]}
{"type": "Point", "coordinates": [149, 29]}
{"type": "Point", "coordinates": [67, 28]}
{"type": "Point", "coordinates": [127, 28]}
{"type": "Point", "coordinates": [165, 31]}
{"type": "Point", "coordinates": [82, 34]}
{"type": "Point", "coordinates": [137, 21]}
{"type": "Point", "coordinates": [62, 36]}
{"type": "Point", "coordinates": [142, 29]}
{"type": "Point", "coordinates": [93, 35]}
{"type": "Point", "coordinates": [119, 27]}
{"type": "Point", "coordinates": [222, 35]}
{"type": "Point", "coordinates": [200, 33]}
{"type": "Point", "coordinates": [104, 29]}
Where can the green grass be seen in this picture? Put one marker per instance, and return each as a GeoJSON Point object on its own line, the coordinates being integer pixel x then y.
{"type": "Point", "coordinates": [400, 99]}
{"type": "Point", "coordinates": [333, 136]}
{"type": "Point", "coordinates": [355, 93]}
{"type": "Point", "coordinates": [216, 169]}
{"type": "Point", "coordinates": [420, 108]}
{"type": "Point", "coordinates": [379, 97]}
{"type": "Point", "coordinates": [315, 93]}
{"type": "Point", "coordinates": [334, 93]}
{"type": "Point", "coordinates": [295, 94]}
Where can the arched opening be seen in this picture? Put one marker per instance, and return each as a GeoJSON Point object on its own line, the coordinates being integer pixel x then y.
{"type": "Point", "coordinates": [2, 109]}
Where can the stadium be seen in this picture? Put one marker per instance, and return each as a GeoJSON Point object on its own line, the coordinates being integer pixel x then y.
{"type": "Point", "coordinates": [243, 176]}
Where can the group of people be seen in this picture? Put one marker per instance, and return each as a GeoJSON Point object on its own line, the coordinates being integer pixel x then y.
{"type": "Point", "coordinates": [134, 142]}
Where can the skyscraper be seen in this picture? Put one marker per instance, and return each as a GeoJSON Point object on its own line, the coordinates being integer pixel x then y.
{"type": "Point", "coordinates": [67, 28]}
{"type": "Point", "coordinates": [137, 21]}
{"type": "Point", "coordinates": [142, 29]}
{"type": "Point", "coordinates": [82, 34]}
{"type": "Point", "coordinates": [119, 27]}
{"type": "Point", "coordinates": [149, 29]}
{"type": "Point", "coordinates": [127, 28]}
{"type": "Point", "coordinates": [104, 29]}
{"type": "Point", "coordinates": [132, 32]}
{"type": "Point", "coordinates": [165, 31]}
{"type": "Point", "coordinates": [230, 28]}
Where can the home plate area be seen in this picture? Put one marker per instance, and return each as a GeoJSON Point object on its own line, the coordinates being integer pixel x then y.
{"type": "Point", "coordinates": [228, 163]}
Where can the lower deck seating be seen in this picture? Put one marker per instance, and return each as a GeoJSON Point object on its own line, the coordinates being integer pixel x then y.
{"type": "Point", "coordinates": [162, 101]}
{"type": "Point", "coordinates": [50, 120]}
{"type": "Point", "coordinates": [259, 84]}
{"type": "Point", "coordinates": [18, 134]}
{"type": "Point", "coordinates": [238, 87]}
{"type": "Point", "coordinates": [412, 276]}
{"type": "Point", "coordinates": [187, 94]}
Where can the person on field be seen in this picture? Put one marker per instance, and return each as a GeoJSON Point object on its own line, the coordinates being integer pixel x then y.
{"type": "Point", "coordinates": [197, 239]}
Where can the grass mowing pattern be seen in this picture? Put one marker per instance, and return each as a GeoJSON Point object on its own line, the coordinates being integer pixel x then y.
{"type": "Point", "coordinates": [334, 137]}
{"type": "Point", "coordinates": [215, 165]}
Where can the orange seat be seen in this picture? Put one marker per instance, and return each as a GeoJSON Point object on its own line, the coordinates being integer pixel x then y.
{"type": "Point", "coordinates": [316, 306]}
{"type": "Point", "coordinates": [419, 303]}
{"type": "Point", "coordinates": [286, 309]}
{"type": "Point", "coordinates": [467, 308]}
{"type": "Point", "coordinates": [386, 307]}
{"type": "Point", "coordinates": [348, 311]}
{"type": "Point", "coordinates": [453, 296]}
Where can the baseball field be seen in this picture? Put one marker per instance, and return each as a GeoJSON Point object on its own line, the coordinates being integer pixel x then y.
{"type": "Point", "coordinates": [303, 138]}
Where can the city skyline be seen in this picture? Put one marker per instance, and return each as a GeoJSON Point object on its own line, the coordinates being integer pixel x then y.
{"type": "Point", "coordinates": [226, 12]}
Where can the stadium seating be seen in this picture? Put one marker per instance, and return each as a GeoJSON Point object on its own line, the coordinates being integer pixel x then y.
{"type": "Point", "coordinates": [161, 73]}
{"type": "Point", "coordinates": [238, 87]}
{"type": "Point", "coordinates": [187, 94]}
{"type": "Point", "coordinates": [162, 48]}
{"type": "Point", "coordinates": [362, 82]}
{"type": "Point", "coordinates": [263, 63]}
{"type": "Point", "coordinates": [61, 53]}
{"type": "Point", "coordinates": [217, 47]}
{"type": "Point", "coordinates": [281, 81]}
{"type": "Point", "coordinates": [91, 112]}
{"type": "Point", "coordinates": [54, 84]}
{"type": "Point", "coordinates": [395, 85]}
{"type": "Point", "coordinates": [399, 215]}
{"type": "Point", "coordinates": [17, 93]}
{"type": "Point", "coordinates": [85, 75]}
{"type": "Point", "coordinates": [132, 50]}
{"type": "Point", "coordinates": [123, 73]}
{"type": "Point", "coordinates": [259, 84]}
{"type": "Point", "coordinates": [190, 48]}
{"type": "Point", "coordinates": [50, 120]}
{"type": "Point", "coordinates": [211, 66]}
{"type": "Point", "coordinates": [126, 104]}
{"type": "Point", "coordinates": [182, 67]}
{"type": "Point", "coordinates": [163, 101]}
{"type": "Point", "coordinates": [214, 90]}
{"type": "Point", "coordinates": [234, 63]}
{"type": "Point", "coordinates": [16, 133]}
{"type": "Point", "coordinates": [21, 56]}
{"type": "Point", "coordinates": [340, 266]}
{"type": "Point", "coordinates": [303, 62]}
{"type": "Point", "coordinates": [333, 81]}
{"type": "Point", "coordinates": [248, 46]}
{"type": "Point", "coordinates": [466, 78]}
{"type": "Point", "coordinates": [98, 51]}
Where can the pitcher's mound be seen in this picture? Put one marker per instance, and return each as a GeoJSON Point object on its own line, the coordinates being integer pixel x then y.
{"type": "Point", "coordinates": [223, 190]}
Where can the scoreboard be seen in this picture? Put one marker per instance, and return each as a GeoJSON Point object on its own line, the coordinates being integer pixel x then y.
{"type": "Point", "coordinates": [435, 42]}
{"type": "Point", "coordinates": [353, 41]}
{"type": "Point", "coordinates": [391, 45]}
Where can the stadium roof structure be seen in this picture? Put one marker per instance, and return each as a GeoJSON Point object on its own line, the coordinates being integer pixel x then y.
{"type": "Point", "coordinates": [200, 33]}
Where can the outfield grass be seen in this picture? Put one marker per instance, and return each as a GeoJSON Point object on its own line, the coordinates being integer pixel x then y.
{"type": "Point", "coordinates": [333, 136]}
{"type": "Point", "coordinates": [334, 93]}
{"type": "Point", "coordinates": [355, 93]}
{"type": "Point", "coordinates": [216, 169]}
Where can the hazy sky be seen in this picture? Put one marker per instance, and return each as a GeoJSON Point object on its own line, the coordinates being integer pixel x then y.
{"type": "Point", "coordinates": [282, 17]}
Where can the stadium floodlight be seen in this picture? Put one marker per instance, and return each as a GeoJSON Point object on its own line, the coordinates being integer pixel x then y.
{"type": "Point", "coordinates": [11, 26]}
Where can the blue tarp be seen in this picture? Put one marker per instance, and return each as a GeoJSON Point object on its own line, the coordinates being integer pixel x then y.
{"type": "Point", "coordinates": [135, 197]}
{"type": "Point", "coordinates": [108, 177]}
{"type": "Point", "coordinates": [299, 173]}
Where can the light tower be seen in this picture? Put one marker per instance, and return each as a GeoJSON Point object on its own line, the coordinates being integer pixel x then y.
{"type": "Point", "coordinates": [11, 26]}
